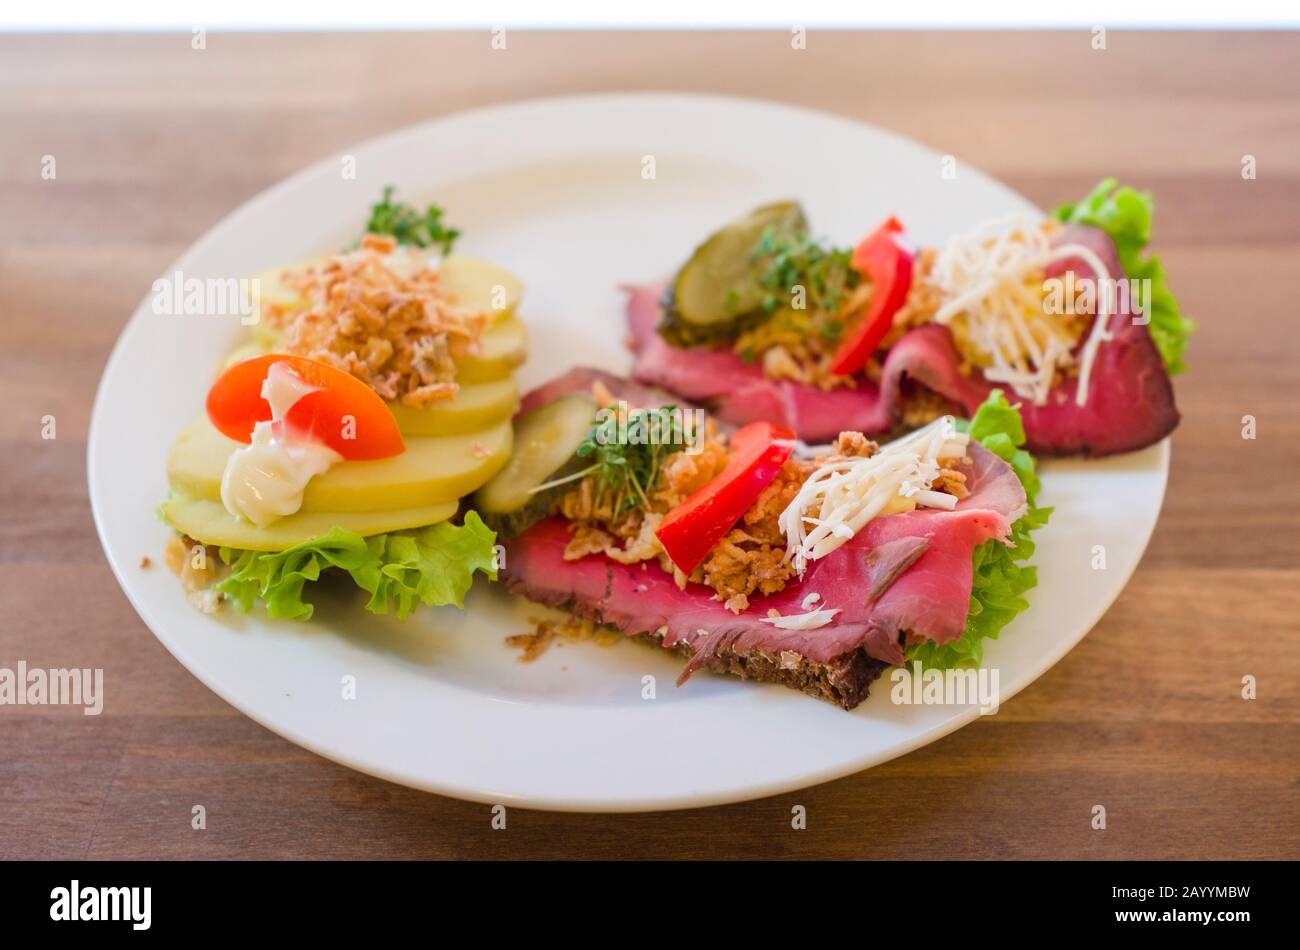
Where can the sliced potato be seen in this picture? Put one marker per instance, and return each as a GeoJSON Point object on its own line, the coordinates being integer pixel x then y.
{"type": "Point", "coordinates": [209, 522]}
{"type": "Point", "coordinates": [265, 337]}
{"type": "Point", "coordinates": [479, 285]}
{"type": "Point", "coordinates": [272, 286]}
{"type": "Point", "coordinates": [433, 469]}
{"type": "Point", "coordinates": [242, 352]}
{"type": "Point", "coordinates": [502, 350]}
{"type": "Point", "coordinates": [272, 289]}
{"type": "Point", "coordinates": [476, 407]}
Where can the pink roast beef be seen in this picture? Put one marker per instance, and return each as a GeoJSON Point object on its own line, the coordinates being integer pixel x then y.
{"type": "Point", "coordinates": [1130, 399]}
{"type": "Point", "coordinates": [583, 379]}
{"type": "Point", "coordinates": [903, 579]}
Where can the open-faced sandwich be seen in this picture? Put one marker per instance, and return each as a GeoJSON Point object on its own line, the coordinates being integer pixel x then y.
{"type": "Point", "coordinates": [1068, 315]}
{"type": "Point", "coordinates": [750, 553]}
{"type": "Point", "coordinates": [376, 392]}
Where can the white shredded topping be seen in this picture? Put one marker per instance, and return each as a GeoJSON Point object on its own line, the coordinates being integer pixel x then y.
{"type": "Point", "coordinates": [983, 274]}
{"type": "Point", "coordinates": [842, 495]}
{"type": "Point", "coordinates": [805, 451]}
{"type": "Point", "coordinates": [806, 621]}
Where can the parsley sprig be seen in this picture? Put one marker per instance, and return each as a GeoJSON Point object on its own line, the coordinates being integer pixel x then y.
{"type": "Point", "coordinates": [629, 468]}
{"type": "Point", "coordinates": [624, 467]}
{"type": "Point", "coordinates": [787, 260]}
{"type": "Point", "coordinates": [408, 225]}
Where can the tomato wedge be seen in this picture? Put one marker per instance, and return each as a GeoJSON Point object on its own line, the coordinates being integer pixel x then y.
{"type": "Point", "coordinates": [343, 413]}
{"type": "Point", "coordinates": [690, 531]}
{"type": "Point", "coordinates": [888, 263]}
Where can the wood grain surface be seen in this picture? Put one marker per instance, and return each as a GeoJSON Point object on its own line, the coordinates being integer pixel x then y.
{"type": "Point", "coordinates": [155, 141]}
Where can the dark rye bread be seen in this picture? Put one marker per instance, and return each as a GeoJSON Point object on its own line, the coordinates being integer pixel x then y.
{"type": "Point", "coordinates": [845, 680]}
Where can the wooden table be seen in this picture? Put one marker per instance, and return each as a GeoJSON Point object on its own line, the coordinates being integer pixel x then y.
{"type": "Point", "coordinates": [154, 141]}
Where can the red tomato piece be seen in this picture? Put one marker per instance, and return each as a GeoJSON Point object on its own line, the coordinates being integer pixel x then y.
{"type": "Point", "coordinates": [690, 531]}
{"type": "Point", "coordinates": [888, 263]}
{"type": "Point", "coordinates": [343, 412]}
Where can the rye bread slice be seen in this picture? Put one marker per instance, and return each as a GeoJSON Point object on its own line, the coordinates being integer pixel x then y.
{"type": "Point", "coordinates": [844, 680]}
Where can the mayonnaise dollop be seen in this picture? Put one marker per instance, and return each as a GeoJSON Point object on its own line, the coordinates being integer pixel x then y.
{"type": "Point", "coordinates": [265, 480]}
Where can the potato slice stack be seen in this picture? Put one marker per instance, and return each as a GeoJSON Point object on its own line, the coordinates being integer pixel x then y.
{"type": "Point", "coordinates": [452, 447]}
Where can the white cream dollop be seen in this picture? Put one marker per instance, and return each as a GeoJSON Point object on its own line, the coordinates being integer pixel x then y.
{"type": "Point", "coordinates": [265, 480]}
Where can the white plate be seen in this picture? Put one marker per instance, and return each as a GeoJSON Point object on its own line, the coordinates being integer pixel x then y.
{"type": "Point", "coordinates": [555, 191]}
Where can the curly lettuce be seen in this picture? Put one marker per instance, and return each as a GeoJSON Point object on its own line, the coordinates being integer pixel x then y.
{"type": "Point", "coordinates": [1001, 577]}
{"type": "Point", "coordinates": [1125, 215]}
{"type": "Point", "coordinates": [433, 566]}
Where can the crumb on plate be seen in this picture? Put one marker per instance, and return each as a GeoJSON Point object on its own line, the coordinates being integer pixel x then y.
{"type": "Point", "coordinates": [570, 629]}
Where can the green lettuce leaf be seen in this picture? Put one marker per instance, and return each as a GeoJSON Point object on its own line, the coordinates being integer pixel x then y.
{"type": "Point", "coordinates": [431, 566]}
{"type": "Point", "coordinates": [1001, 578]}
{"type": "Point", "coordinates": [1125, 214]}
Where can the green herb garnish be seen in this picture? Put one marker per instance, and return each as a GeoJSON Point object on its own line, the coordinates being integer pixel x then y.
{"type": "Point", "coordinates": [628, 454]}
{"type": "Point", "coordinates": [793, 259]}
{"type": "Point", "coordinates": [625, 467]}
{"type": "Point", "coordinates": [408, 226]}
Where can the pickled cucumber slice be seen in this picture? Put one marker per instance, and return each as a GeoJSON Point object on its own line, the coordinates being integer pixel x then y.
{"type": "Point", "coordinates": [546, 441]}
{"type": "Point", "coordinates": [718, 289]}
